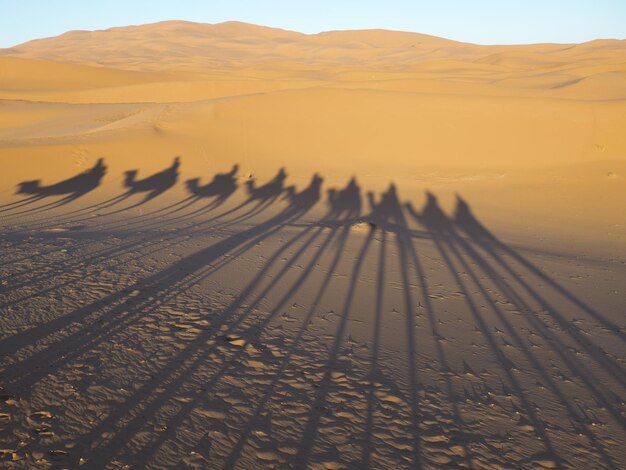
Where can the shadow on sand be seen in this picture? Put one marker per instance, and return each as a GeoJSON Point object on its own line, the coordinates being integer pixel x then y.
{"type": "Point", "coordinates": [151, 186]}
{"type": "Point", "coordinates": [69, 189]}
{"type": "Point", "coordinates": [244, 351]}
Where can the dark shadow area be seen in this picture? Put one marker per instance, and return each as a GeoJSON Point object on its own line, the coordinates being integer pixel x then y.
{"type": "Point", "coordinates": [435, 220]}
{"type": "Point", "coordinates": [165, 285]}
{"type": "Point", "coordinates": [456, 251]}
{"type": "Point", "coordinates": [255, 204]}
{"type": "Point", "coordinates": [214, 193]}
{"type": "Point", "coordinates": [166, 281]}
{"type": "Point", "coordinates": [325, 385]}
{"type": "Point", "coordinates": [465, 220]}
{"type": "Point", "coordinates": [484, 272]}
{"type": "Point", "coordinates": [152, 186]}
{"type": "Point", "coordinates": [375, 372]}
{"type": "Point", "coordinates": [345, 204]}
{"type": "Point", "coordinates": [387, 214]}
{"type": "Point", "coordinates": [344, 207]}
{"type": "Point", "coordinates": [71, 189]}
{"type": "Point", "coordinates": [220, 188]}
{"type": "Point", "coordinates": [259, 198]}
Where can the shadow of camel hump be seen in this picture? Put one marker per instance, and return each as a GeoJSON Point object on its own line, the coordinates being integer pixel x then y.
{"type": "Point", "coordinates": [387, 213]}
{"type": "Point", "coordinates": [270, 190]}
{"type": "Point", "coordinates": [155, 184]}
{"type": "Point", "coordinates": [432, 216]}
{"type": "Point", "coordinates": [221, 187]}
{"type": "Point", "coordinates": [466, 221]}
{"type": "Point", "coordinates": [307, 197]}
{"type": "Point", "coordinates": [72, 188]}
{"type": "Point", "coordinates": [346, 202]}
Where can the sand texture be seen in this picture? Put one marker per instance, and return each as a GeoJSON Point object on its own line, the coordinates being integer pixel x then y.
{"type": "Point", "coordinates": [231, 246]}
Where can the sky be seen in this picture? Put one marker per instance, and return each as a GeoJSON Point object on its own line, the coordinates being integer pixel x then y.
{"type": "Point", "coordinates": [477, 21]}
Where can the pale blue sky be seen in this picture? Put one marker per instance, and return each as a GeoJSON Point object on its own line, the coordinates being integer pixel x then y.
{"type": "Point", "coordinates": [479, 21]}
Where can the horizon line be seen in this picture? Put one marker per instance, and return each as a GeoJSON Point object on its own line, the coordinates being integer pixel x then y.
{"type": "Point", "coordinates": [284, 29]}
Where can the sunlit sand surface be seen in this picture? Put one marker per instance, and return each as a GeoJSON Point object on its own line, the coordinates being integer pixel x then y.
{"type": "Point", "coordinates": [230, 246]}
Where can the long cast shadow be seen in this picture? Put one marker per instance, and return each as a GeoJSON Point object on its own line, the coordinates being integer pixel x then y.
{"type": "Point", "coordinates": [395, 220]}
{"type": "Point", "coordinates": [605, 396]}
{"type": "Point", "coordinates": [449, 242]}
{"type": "Point", "coordinates": [388, 213]}
{"type": "Point", "coordinates": [217, 191]}
{"type": "Point", "coordinates": [345, 208]}
{"type": "Point", "coordinates": [373, 375]}
{"type": "Point", "coordinates": [152, 186]}
{"type": "Point", "coordinates": [602, 359]}
{"type": "Point", "coordinates": [300, 201]}
{"type": "Point", "coordinates": [309, 434]}
{"type": "Point", "coordinates": [434, 219]}
{"type": "Point", "coordinates": [260, 199]}
{"type": "Point", "coordinates": [339, 208]}
{"type": "Point", "coordinates": [254, 332]}
{"type": "Point", "coordinates": [222, 186]}
{"type": "Point", "coordinates": [71, 189]}
{"type": "Point", "coordinates": [340, 205]}
{"type": "Point", "coordinates": [168, 280]}
{"type": "Point", "coordinates": [465, 220]}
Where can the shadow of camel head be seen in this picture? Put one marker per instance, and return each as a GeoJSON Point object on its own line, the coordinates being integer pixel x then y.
{"type": "Point", "coordinates": [129, 178]}
{"type": "Point", "coordinates": [28, 187]}
{"type": "Point", "coordinates": [193, 185]}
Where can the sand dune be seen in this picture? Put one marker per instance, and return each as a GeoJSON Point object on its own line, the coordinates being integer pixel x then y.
{"type": "Point", "coordinates": [199, 45]}
{"type": "Point", "coordinates": [232, 246]}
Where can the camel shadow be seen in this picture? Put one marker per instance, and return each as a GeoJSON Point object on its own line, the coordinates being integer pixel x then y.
{"type": "Point", "coordinates": [71, 189]}
{"type": "Point", "coordinates": [152, 186]}
{"type": "Point", "coordinates": [308, 263]}
{"type": "Point", "coordinates": [220, 188]}
{"type": "Point", "coordinates": [269, 191]}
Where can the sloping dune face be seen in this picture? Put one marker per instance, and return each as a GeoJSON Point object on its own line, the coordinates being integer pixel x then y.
{"type": "Point", "coordinates": [381, 104]}
{"type": "Point", "coordinates": [232, 246]}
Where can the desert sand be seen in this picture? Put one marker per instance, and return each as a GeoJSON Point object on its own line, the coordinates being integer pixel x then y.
{"type": "Point", "coordinates": [232, 246]}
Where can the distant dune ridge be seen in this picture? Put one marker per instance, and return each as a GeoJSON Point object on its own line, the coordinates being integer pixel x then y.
{"type": "Point", "coordinates": [197, 45]}
{"type": "Point", "coordinates": [391, 60]}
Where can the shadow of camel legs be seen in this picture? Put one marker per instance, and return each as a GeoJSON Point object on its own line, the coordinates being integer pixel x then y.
{"type": "Point", "coordinates": [300, 204]}
{"type": "Point", "coordinates": [71, 189]}
{"type": "Point", "coordinates": [451, 246]}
